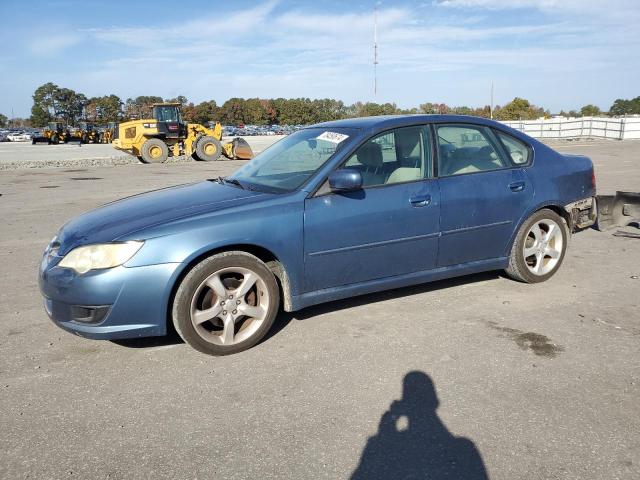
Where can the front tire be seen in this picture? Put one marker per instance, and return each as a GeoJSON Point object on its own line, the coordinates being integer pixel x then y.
{"type": "Point", "coordinates": [208, 149]}
{"type": "Point", "coordinates": [539, 247]}
{"type": "Point", "coordinates": [154, 150]}
{"type": "Point", "coordinates": [226, 303]}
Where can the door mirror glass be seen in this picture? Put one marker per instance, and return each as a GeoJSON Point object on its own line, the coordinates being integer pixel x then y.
{"type": "Point", "coordinates": [345, 180]}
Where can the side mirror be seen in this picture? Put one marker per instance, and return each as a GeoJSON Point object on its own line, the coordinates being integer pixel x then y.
{"type": "Point", "coordinates": [345, 180]}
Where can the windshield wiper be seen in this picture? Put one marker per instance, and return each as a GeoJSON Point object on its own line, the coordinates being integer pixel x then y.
{"type": "Point", "coordinates": [232, 181]}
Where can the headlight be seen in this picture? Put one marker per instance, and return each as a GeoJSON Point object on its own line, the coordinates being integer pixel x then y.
{"type": "Point", "coordinates": [106, 255]}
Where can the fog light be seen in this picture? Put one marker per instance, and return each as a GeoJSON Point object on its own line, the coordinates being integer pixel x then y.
{"type": "Point", "coordinates": [84, 314]}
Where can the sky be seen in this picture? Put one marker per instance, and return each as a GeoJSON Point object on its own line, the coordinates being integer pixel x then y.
{"type": "Point", "coordinates": [559, 54]}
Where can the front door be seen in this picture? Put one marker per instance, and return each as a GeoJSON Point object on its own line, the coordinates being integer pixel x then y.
{"type": "Point", "coordinates": [388, 228]}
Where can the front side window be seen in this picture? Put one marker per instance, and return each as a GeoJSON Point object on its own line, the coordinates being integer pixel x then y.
{"type": "Point", "coordinates": [518, 151]}
{"type": "Point", "coordinates": [397, 156]}
{"type": "Point", "coordinates": [467, 149]}
{"type": "Point", "coordinates": [287, 164]}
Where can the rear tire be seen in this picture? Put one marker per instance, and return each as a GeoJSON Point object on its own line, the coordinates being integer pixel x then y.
{"type": "Point", "coordinates": [208, 149]}
{"type": "Point", "coordinates": [539, 247]}
{"type": "Point", "coordinates": [154, 150]}
{"type": "Point", "coordinates": [226, 304]}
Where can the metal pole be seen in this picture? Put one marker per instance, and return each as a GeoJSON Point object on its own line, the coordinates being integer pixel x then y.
{"type": "Point", "coordinates": [491, 106]}
{"type": "Point", "coordinates": [375, 50]}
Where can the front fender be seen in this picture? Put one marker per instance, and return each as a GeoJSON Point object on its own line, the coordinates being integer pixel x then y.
{"type": "Point", "coordinates": [275, 226]}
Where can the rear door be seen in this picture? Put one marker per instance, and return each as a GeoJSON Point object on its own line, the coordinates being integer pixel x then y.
{"type": "Point", "coordinates": [483, 194]}
{"type": "Point", "coordinates": [388, 228]}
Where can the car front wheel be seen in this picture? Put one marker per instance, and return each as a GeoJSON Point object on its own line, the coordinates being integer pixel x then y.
{"type": "Point", "coordinates": [226, 303]}
{"type": "Point", "coordinates": [539, 247]}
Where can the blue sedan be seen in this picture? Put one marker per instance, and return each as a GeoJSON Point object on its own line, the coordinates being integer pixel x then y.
{"type": "Point", "coordinates": [334, 210]}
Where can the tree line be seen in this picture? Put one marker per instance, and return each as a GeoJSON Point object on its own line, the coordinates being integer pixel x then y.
{"type": "Point", "coordinates": [51, 102]}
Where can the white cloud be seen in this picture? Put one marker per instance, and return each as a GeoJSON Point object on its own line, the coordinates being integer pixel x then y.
{"type": "Point", "coordinates": [617, 10]}
{"type": "Point", "coordinates": [272, 50]}
{"type": "Point", "coordinates": [232, 24]}
{"type": "Point", "coordinates": [52, 44]}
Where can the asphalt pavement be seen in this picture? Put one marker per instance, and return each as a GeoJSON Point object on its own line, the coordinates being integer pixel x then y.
{"type": "Point", "coordinates": [479, 374]}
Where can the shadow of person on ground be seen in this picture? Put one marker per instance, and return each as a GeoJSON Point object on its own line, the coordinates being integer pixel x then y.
{"type": "Point", "coordinates": [413, 443]}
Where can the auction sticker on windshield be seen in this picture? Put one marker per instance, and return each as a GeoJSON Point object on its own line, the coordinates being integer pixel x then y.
{"type": "Point", "coordinates": [332, 137]}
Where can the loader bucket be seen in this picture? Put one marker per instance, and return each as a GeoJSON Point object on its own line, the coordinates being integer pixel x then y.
{"type": "Point", "coordinates": [617, 210]}
{"type": "Point", "coordinates": [241, 149]}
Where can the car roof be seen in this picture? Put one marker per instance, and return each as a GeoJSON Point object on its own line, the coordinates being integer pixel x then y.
{"type": "Point", "coordinates": [384, 122]}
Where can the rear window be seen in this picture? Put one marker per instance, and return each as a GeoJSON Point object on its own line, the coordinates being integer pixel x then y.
{"type": "Point", "coordinates": [519, 152]}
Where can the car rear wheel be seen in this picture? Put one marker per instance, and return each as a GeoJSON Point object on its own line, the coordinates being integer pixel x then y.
{"type": "Point", "coordinates": [539, 248]}
{"type": "Point", "coordinates": [226, 303]}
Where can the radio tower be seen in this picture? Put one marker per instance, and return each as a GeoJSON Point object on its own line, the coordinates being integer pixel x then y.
{"type": "Point", "coordinates": [375, 50]}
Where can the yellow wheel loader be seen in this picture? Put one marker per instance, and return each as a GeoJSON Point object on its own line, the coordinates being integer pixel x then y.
{"type": "Point", "coordinates": [166, 134]}
{"type": "Point", "coordinates": [106, 134]}
{"type": "Point", "coordinates": [85, 132]}
{"type": "Point", "coordinates": [54, 133]}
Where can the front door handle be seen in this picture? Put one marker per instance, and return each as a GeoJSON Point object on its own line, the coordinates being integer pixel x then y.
{"type": "Point", "coordinates": [516, 186]}
{"type": "Point", "coordinates": [420, 201]}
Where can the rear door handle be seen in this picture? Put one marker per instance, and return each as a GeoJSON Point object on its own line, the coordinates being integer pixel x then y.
{"type": "Point", "coordinates": [516, 186]}
{"type": "Point", "coordinates": [420, 201]}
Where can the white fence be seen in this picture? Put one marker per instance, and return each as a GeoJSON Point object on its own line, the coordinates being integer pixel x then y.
{"type": "Point", "coordinates": [616, 128]}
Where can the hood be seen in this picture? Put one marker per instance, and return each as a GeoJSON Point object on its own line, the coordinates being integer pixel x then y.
{"type": "Point", "coordinates": [117, 219]}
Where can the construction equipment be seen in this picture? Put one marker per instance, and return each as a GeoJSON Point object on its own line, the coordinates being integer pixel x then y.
{"type": "Point", "coordinates": [54, 133]}
{"type": "Point", "coordinates": [106, 134]}
{"type": "Point", "coordinates": [166, 134]}
{"type": "Point", "coordinates": [85, 132]}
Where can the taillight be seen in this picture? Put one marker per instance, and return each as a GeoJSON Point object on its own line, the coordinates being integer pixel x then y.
{"type": "Point", "coordinates": [593, 179]}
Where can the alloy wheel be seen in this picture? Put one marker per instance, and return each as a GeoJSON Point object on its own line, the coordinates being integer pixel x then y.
{"type": "Point", "coordinates": [229, 306]}
{"type": "Point", "coordinates": [542, 247]}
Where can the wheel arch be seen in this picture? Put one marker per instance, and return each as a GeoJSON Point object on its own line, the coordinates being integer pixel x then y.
{"type": "Point", "coordinates": [563, 214]}
{"type": "Point", "coordinates": [553, 206]}
{"type": "Point", "coordinates": [265, 255]}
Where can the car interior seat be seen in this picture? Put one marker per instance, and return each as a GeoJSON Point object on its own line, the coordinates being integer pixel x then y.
{"type": "Point", "coordinates": [471, 159]}
{"type": "Point", "coordinates": [409, 156]}
{"type": "Point", "coordinates": [370, 156]}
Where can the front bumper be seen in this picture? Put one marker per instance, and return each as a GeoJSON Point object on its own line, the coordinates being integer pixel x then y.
{"type": "Point", "coordinates": [108, 304]}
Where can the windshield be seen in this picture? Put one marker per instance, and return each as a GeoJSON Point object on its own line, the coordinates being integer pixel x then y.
{"type": "Point", "coordinates": [166, 113]}
{"type": "Point", "coordinates": [287, 164]}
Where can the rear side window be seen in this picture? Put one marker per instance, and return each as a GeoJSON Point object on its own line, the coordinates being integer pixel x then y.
{"type": "Point", "coordinates": [467, 149]}
{"type": "Point", "coordinates": [519, 152]}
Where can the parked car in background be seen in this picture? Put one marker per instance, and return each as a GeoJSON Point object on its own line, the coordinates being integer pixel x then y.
{"type": "Point", "coordinates": [19, 137]}
{"type": "Point", "coordinates": [333, 210]}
